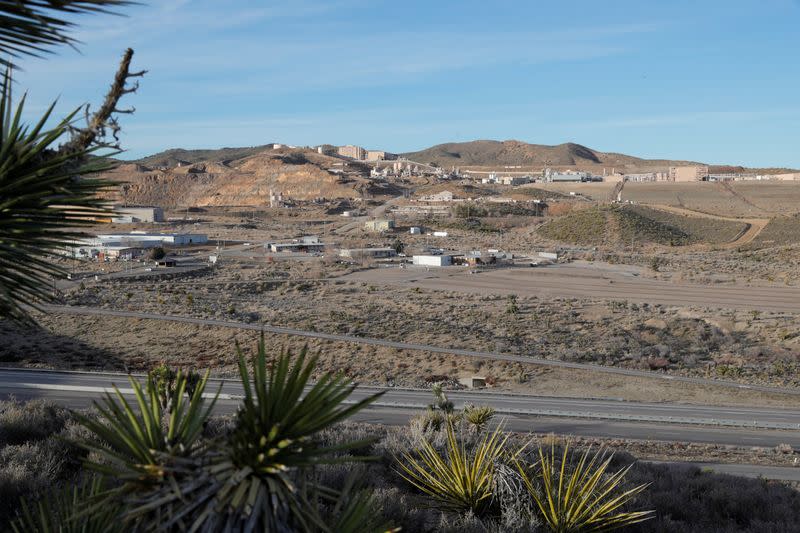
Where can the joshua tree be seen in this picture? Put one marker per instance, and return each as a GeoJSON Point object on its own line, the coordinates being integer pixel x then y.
{"type": "Point", "coordinates": [46, 192]}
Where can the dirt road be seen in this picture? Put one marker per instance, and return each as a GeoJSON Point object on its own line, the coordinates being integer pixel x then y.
{"type": "Point", "coordinates": [754, 225]}
{"type": "Point", "coordinates": [586, 281]}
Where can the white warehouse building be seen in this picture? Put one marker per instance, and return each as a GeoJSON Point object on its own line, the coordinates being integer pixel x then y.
{"type": "Point", "coordinates": [113, 245]}
{"type": "Point", "coordinates": [433, 260]}
{"type": "Point", "coordinates": [136, 237]}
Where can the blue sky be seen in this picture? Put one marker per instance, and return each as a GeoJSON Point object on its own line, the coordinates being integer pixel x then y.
{"type": "Point", "coordinates": [706, 80]}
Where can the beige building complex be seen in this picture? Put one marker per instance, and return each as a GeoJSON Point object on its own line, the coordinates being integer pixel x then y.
{"type": "Point", "coordinates": [688, 173]}
{"type": "Point", "coordinates": [353, 152]}
{"type": "Point", "coordinates": [791, 176]}
{"type": "Point", "coordinates": [380, 155]}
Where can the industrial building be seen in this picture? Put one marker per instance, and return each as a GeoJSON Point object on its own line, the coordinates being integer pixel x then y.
{"type": "Point", "coordinates": [688, 173]}
{"type": "Point", "coordinates": [380, 224]}
{"type": "Point", "coordinates": [432, 260]}
{"type": "Point", "coordinates": [642, 177]}
{"type": "Point", "coordinates": [515, 180]}
{"type": "Point", "coordinates": [353, 152]}
{"type": "Point", "coordinates": [792, 176]}
{"type": "Point", "coordinates": [367, 253]}
{"type": "Point", "coordinates": [130, 214]}
{"type": "Point", "coordinates": [567, 177]}
{"type": "Point", "coordinates": [380, 155]}
{"type": "Point", "coordinates": [327, 149]}
{"type": "Point", "coordinates": [130, 244]}
{"type": "Point", "coordinates": [310, 243]}
{"type": "Point", "coordinates": [614, 178]}
{"type": "Point", "coordinates": [139, 237]}
{"type": "Point", "coordinates": [443, 196]}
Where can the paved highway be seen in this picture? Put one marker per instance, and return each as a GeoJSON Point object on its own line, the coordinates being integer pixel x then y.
{"type": "Point", "coordinates": [603, 418]}
{"type": "Point", "coordinates": [584, 417]}
{"type": "Point", "coordinates": [411, 346]}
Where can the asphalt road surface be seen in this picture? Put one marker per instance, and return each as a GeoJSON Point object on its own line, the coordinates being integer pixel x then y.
{"type": "Point", "coordinates": [568, 416]}
{"type": "Point", "coordinates": [412, 346]}
{"type": "Point", "coordinates": [78, 390]}
{"type": "Point", "coordinates": [586, 281]}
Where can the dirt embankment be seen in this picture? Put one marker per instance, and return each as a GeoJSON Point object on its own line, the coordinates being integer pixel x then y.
{"type": "Point", "coordinates": [300, 175]}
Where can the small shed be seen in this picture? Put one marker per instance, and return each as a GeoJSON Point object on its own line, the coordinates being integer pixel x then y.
{"type": "Point", "coordinates": [474, 382]}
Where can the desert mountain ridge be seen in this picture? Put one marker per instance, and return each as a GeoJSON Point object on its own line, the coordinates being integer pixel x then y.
{"type": "Point", "coordinates": [498, 154]}
{"type": "Point", "coordinates": [477, 153]}
{"type": "Point", "coordinates": [246, 176]}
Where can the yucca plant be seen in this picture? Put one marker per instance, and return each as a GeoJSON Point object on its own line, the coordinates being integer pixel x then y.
{"type": "Point", "coordinates": [352, 509]}
{"type": "Point", "coordinates": [478, 417]}
{"type": "Point", "coordinates": [30, 27]}
{"type": "Point", "coordinates": [43, 203]}
{"type": "Point", "coordinates": [440, 400]}
{"type": "Point", "coordinates": [460, 480]}
{"type": "Point", "coordinates": [164, 379]}
{"type": "Point", "coordinates": [579, 496]}
{"type": "Point", "coordinates": [273, 440]}
{"type": "Point", "coordinates": [136, 442]}
{"type": "Point", "coordinates": [59, 511]}
{"type": "Point", "coordinates": [46, 195]}
{"type": "Point", "coordinates": [258, 476]}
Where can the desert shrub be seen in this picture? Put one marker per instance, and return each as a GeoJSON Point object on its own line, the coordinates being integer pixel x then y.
{"type": "Point", "coordinates": [157, 253]}
{"type": "Point", "coordinates": [584, 226]}
{"type": "Point", "coordinates": [403, 510]}
{"type": "Point", "coordinates": [468, 210]}
{"type": "Point", "coordinates": [688, 500]}
{"type": "Point", "coordinates": [430, 420]}
{"type": "Point", "coordinates": [294, 158]}
{"type": "Point", "coordinates": [635, 227]}
{"type": "Point", "coordinates": [696, 229]}
{"type": "Point", "coordinates": [33, 420]}
{"type": "Point", "coordinates": [38, 462]}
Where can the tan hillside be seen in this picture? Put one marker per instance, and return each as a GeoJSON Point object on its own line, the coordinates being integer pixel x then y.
{"type": "Point", "coordinates": [298, 174]}
{"type": "Point", "coordinates": [486, 153]}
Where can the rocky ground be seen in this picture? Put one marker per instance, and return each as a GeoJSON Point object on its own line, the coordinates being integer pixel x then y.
{"type": "Point", "coordinates": [749, 346]}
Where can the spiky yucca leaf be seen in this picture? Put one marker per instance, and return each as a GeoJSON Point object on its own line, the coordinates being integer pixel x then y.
{"type": "Point", "coordinates": [134, 444]}
{"type": "Point", "coordinates": [461, 480]}
{"type": "Point", "coordinates": [350, 510]}
{"type": "Point", "coordinates": [478, 416]}
{"type": "Point", "coordinates": [30, 27]}
{"type": "Point", "coordinates": [59, 511]}
{"type": "Point", "coordinates": [579, 497]}
{"type": "Point", "coordinates": [44, 200]}
{"type": "Point", "coordinates": [256, 478]}
{"type": "Point", "coordinates": [273, 438]}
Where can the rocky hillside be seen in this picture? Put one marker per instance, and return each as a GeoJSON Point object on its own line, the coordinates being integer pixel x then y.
{"type": "Point", "coordinates": [637, 225]}
{"type": "Point", "coordinates": [242, 177]}
{"type": "Point", "coordinates": [518, 153]}
{"type": "Point", "coordinates": [179, 156]}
